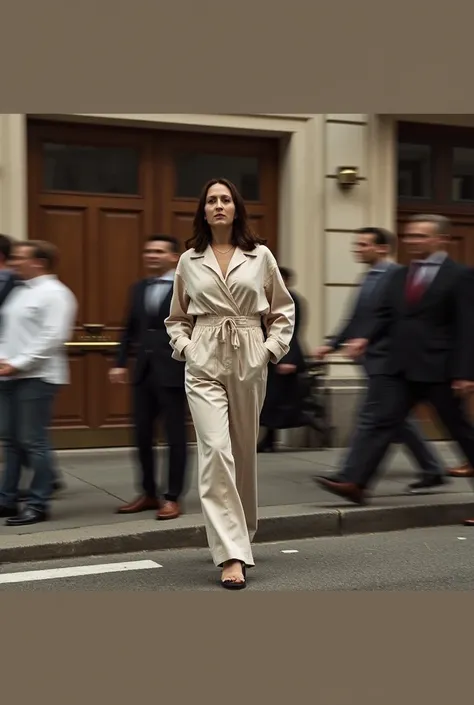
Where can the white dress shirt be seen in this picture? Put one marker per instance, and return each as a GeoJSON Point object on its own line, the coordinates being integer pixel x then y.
{"type": "Point", "coordinates": [157, 289]}
{"type": "Point", "coordinates": [429, 268]}
{"type": "Point", "coordinates": [38, 317]}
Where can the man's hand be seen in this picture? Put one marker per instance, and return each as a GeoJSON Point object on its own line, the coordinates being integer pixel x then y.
{"type": "Point", "coordinates": [355, 348]}
{"type": "Point", "coordinates": [463, 387]}
{"type": "Point", "coordinates": [285, 369]}
{"type": "Point", "coordinates": [118, 375]}
{"type": "Point", "coordinates": [6, 370]}
{"type": "Point", "coordinates": [321, 352]}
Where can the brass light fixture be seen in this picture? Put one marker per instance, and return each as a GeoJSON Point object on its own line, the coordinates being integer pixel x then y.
{"type": "Point", "coordinates": [347, 176]}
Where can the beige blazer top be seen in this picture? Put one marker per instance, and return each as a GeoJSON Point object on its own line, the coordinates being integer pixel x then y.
{"type": "Point", "coordinates": [252, 287]}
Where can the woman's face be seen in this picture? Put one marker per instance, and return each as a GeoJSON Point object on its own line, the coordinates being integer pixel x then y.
{"type": "Point", "coordinates": [219, 208]}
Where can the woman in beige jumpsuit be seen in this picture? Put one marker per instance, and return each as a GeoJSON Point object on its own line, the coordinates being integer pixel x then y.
{"type": "Point", "coordinates": [225, 285]}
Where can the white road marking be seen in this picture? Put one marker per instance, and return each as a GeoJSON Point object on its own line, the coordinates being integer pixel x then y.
{"type": "Point", "coordinates": [76, 571]}
{"type": "Point", "coordinates": [461, 538]}
{"type": "Point", "coordinates": [290, 550]}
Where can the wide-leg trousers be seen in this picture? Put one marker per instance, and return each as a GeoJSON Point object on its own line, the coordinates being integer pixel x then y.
{"type": "Point", "coordinates": [226, 376]}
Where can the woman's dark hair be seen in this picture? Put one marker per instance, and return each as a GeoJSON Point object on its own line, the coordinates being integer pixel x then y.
{"type": "Point", "coordinates": [242, 234]}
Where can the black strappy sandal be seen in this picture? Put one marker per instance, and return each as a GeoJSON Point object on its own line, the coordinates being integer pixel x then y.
{"type": "Point", "coordinates": [236, 585]}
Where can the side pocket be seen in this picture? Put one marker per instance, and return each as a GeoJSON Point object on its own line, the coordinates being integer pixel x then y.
{"type": "Point", "coordinates": [191, 347]}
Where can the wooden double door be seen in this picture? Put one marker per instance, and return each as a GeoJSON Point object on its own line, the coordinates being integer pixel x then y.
{"type": "Point", "coordinates": [97, 193]}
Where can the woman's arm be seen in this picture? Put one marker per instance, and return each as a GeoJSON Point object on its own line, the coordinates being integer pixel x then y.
{"type": "Point", "coordinates": [179, 325]}
{"type": "Point", "coordinates": [280, 320]}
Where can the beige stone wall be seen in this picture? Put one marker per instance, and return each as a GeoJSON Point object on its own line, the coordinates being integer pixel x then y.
{"type": "Point", "coordinates": [13, 183]}
{"type": "Point", "coordinates": [367, 142]}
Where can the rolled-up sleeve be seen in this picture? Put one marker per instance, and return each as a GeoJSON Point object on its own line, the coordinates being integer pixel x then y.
{"type": "Point", "coordinates": [179, 325]}
{"type": "Point", "coordinates": [280, 319]}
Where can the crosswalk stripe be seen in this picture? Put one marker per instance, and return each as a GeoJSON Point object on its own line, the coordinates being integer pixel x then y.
{"type": "Point", "coordinates": [76, 571]}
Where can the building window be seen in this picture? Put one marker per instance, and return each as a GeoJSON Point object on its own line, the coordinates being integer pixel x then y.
{"type": "Point", "coordinates": [90, 169]}
{"type": "Point", "coordinates": [414, 172]}
{"type": "Point", "coordinates": [463, 174]}
{"type": "Point", "coordinates": [194, 170]}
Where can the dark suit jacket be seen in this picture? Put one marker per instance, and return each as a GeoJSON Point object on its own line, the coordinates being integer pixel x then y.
{"type": "Point", "coordinates": [295, 355]}
{"type": "Point", "coordinates": [431, 341]}
{"type": "Point", "coordinates": [364, 313]}
{"type": "Point", "coordinates": [283, 403]}
{"type": "Point", "coordinates": [6, 287]}
{"type": "Point", "coordinates": [147, 333]}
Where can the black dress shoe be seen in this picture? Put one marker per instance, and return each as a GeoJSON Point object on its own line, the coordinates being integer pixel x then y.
{"type": "Point", "coordinates": [8, 511]}
{"type": "Point", "coordinates": [426, 483]}
{"type": "Point", "coordinates": [265, 448]}
{"type": "Point", "coordinates": [28, 515]}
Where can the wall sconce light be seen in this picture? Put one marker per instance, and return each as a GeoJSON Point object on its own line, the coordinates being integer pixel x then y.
{"type": "Point", "coordinates": [347, 176]}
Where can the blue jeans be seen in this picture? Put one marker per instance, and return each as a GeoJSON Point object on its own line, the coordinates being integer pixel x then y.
{"type": "Point", "coordinates": [26, 407]}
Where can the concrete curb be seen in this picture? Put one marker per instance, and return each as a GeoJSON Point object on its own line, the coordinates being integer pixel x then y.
{"type": "Point", "coordinates": [283, 523]}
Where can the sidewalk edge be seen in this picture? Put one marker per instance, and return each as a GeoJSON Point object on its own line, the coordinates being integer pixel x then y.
{"type": "Point", "coordinates": [276, 524]}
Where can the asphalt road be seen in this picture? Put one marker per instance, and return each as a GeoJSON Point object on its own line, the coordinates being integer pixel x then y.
{"type": "Point", "coordinates": [426, 559]}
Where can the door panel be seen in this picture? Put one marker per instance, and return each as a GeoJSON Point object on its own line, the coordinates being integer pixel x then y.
{"type": "Point", "coordinates": [120, 239]}
{"type": "Point", "coordinates": [67, 228]}
{"type": "Point", "coordinates": [99, 219]}
{"type": "Point", "coordinates": [71, 404]}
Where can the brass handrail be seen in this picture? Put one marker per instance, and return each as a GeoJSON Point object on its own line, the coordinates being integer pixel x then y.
{"type": "Point", "coordinates": [93, 344]}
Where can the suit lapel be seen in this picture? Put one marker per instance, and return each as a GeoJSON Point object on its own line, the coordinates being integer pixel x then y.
{"type": "Point", "coordinates": [141, 310]}
{"type": "Point", "coordinates": [434, 287]}
{"type": "Point", "coordinates": [165, 305]}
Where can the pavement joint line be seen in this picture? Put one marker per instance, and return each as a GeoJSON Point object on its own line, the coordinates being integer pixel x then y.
{"type": "Point", "coordinates": [96, 487]}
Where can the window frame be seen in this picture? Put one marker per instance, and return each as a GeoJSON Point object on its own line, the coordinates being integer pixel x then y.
{"type": "Point", "coordinates": [442, 141]}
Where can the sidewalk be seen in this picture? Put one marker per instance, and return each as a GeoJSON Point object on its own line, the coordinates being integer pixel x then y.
{"type": "Point", "coordinates": [84, 522]}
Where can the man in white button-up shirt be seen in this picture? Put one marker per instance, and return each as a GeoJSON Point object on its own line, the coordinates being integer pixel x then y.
{"type": "Point", "coordinates": [37, 319]}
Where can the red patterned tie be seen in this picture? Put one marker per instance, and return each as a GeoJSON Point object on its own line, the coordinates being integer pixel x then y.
{"type": "Point", "coordinates": [414, 289]}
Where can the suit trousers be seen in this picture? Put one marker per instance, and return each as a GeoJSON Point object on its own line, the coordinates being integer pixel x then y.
{"type": "Point", "coordinates": [226, 375]}
{"type": "Point", "coordinates": [151, 401]}
{"type": "Point", "coordinates": [408, 435]}
{"type": "Point", "coordinates": [391, 398]}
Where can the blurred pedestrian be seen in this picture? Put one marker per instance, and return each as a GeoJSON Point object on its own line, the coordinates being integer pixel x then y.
{"type": "Point", "coordinates": [8, 280]}
{"type": "Point", "coordinates": [283, 406]}
{"type": "Point", "coordinates": [158, 380]}
{"type": "Point", "coordinates": [225, 284]}
{"type": "Point", "coordinates": [37, 319]}
{"type": "Point", "coordinates": [375, 247]}
{"type": "Point", "coordinates": [7, 276]}
{"type": "Point", "coordinates": [426, 315]}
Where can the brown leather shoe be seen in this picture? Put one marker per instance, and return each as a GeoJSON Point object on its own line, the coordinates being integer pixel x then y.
{"type": "Point", "coordinates": [462, 471]}
{"type": "Point", "coordinates": [142, 504]}
{"type": "Point", "coordinates": [347, 490]}
{"type": "Point", "coordinates": [168, 510]}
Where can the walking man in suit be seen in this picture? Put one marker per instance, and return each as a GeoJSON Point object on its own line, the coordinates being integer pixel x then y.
{"type": "Point", "coordinates": [375, 247]}
{"type": "Point", "coordinates": [426, 317]}
{"type": "Point", "coordinates": [158, 382]}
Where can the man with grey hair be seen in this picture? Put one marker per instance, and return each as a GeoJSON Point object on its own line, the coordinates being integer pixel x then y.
{"type": "Point", "coordinates": [427, 313]}
{"type": "Point", "coordinates": [375, 247]}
